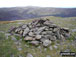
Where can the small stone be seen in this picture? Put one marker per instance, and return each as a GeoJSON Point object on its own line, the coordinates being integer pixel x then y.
{"type": "Point", "coordinates": [40, 30]}
{"type": "Point", "coordinates": [29, 55]}
{"type": "Point", "coordinates": [38, 36]}
{"type": "Point", "coordinates": [35, 42]}
{"type": "Point", "coordinates": [73, 30]}
{"type": "Point", "coordinates": [20, 56]}
{"type": "Point", "coordinates": [44, 33]}
{"type": "Point", "coordinates": [13, 38]}
{"type": "Point", "coordinates": [55, 29]}
{"type": "Point", "coordinates": [28, 38]}
{"type": "Point", "coordinates": [31, 33]}
{"type": "Point", "coordinates": [51, 48]}
{"type": "Point", "coordinates": [47, 23]}
{"type": "Point", "coordinates": [26, 45]}
{"type": "Point", "coordinates": [55, 46]}
{"type": "Point", "coordinates": [16, 42]}
{"type": "Point", "coordinates": [21, 32]}
{"type": "Point", "coordinates": [39, 47]}
{"type": "Point", "coordinates": [24, 26]}
{"type": "Point", "coordinates": [17, 30]}
{"type": "Point", "coordinates": [45, 49]}
{"type": "Point", "coordinates": [67, 50]}
{"type": "Point", "coordinates": [25, 31]}
{"type": "Point", "coordinates": [48, 56]}
{"type": "Point", "coordinates": [52, 38]}
{"type": "Point", "coordinates": [12, 55]}
{"type": "Point", "coordinates": [19, 48]}
{"type": "Point", "coordinates": [2, 32]}
{"type": "Point", "coordinates": [7, 34]}
{"type": "Point", "coordinates": [46, 42]}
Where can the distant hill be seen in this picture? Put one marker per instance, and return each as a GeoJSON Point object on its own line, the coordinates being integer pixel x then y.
{"type": "Point", "coordinates": [18, 13]}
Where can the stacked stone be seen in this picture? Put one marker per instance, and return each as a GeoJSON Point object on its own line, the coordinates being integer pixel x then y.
{"type": "Point", "coordinates": [42, 31]}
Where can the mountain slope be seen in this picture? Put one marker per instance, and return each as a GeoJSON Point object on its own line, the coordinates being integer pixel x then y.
{"type": "Point", "coordinates": [17, 13]}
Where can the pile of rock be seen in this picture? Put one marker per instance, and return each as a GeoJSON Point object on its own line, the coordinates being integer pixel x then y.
{"type": "Point", "coordinates": [41, 31]}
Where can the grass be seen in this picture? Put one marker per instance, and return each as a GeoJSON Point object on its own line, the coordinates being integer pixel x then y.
{"type": "Point", "coordinates": [8, 48]}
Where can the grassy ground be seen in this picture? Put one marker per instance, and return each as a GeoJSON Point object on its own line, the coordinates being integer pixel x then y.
{"type": "Point", "coordinates": [8, 48]}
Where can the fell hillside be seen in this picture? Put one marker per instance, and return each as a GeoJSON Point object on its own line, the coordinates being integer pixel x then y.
{"type": "Point", "coordinates": [18, 13]}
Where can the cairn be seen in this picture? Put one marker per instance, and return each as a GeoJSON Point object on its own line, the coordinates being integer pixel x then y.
{"type": "Point", "coordinates": [41, 31]}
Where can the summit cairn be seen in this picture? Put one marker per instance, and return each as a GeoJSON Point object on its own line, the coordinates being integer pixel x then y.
{"type": "Point", "coordinates": [42, 32]}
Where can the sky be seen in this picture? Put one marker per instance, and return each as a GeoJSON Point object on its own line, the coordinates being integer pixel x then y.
{"type": "Point", "coordinates": [40, 3]}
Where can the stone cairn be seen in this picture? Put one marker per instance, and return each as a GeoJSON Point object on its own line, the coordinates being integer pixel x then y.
{"type": "Point", "coordinates": [41, 32]}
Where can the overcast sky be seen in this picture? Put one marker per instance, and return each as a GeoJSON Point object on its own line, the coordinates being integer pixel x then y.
{"type": "Point", "coordinates": [41, 3]}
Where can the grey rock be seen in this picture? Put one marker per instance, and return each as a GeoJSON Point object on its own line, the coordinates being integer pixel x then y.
{"type": "Point", "coordinates": [44, 33]}
{"type": "Point", "coordinates": [42, 39]}
{"type": "Point", "coordinates": [73, 30]}
{"type": "Point", "coordinates": [62, 37]}
{"type": "Point", "coordinates": [29, 55]}
{"type": "Point", "coordinates": [55, 29]}
{"type": "Point", "coordinates": [19, 48]}
{"type": "Point", "coordinates": [12, 55]}
{"type": "Point", "coordinates": [38, 36]}
{"type": "Point", "coordinates": [52, 38]}
{"type": "Point", "coordinates": [35, 42]}
{"type": "Point", "coordinates": [29, 38]}
{"type": "Point", "coordinates": [55, 46]}
{"type": "Point", "coordinates": [58, 35]}
{"type": "Point", "coordinates": [67, 50]}
{"type": "Point", "coordinates": [46, 42]}
{"type": "Point", "coordinates": [40, 30]}
{"type": "Point", "coordinates": [25, 31]}
{"type": "Point", "coordinates": [47, 23]}
{"type": "Point", "coordinates": [17, 30]}
{"type": "Point", "coordinates": [48, 56]}
{"type": "Point", "coordinates": [16, 42]}
{"type": "Point", "coordinates": [19, 23]}
{"type": "Point", "coordinates": [31, 33]}
{"type": "Point", "coordinates": [24, 26]}
{"type": "Point", "coordinates": [49, 32]}
{"type": "Point", "coordinates": [45, 49]}
{"type": "Point", "coordinates": [20, 56]}
{"type": "Point", "coordinates": [50, 47]}
{"type": "Point", "coordinates": [53, 26]}
{"type": "Point", "coordinates": [13, 38]}
{"type": "Point", "coordinates": [2, 32]}
{"type": "Point", "coordinates": [39, 47]}
{"type": "Point", "coordinates": [67, 35]}
{"type": "Point", "coordinates": [26, 45]}
{"type": "Point", "coordinates": [7, 34]}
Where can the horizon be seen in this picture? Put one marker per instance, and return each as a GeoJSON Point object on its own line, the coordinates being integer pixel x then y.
{"type": "Point", "coordinates": [38, 3]}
